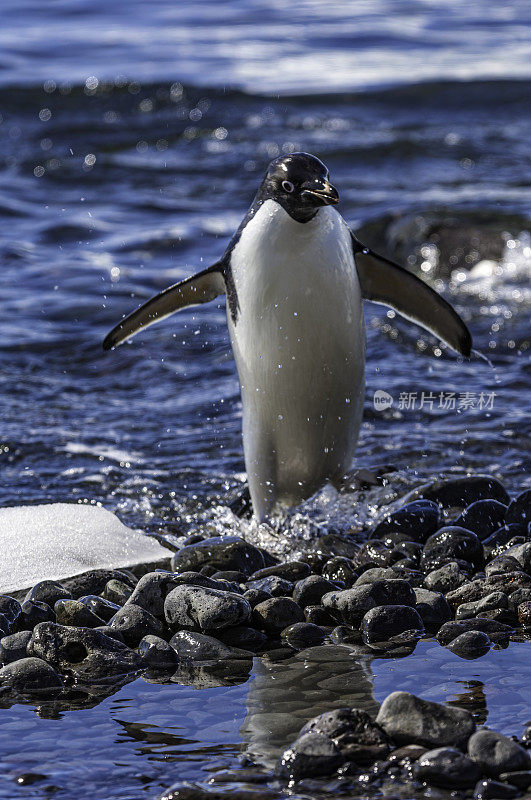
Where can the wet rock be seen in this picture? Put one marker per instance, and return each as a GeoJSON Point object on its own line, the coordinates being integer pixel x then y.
{"type": "Point", "coordinates": [117, 592]}
{"type": "Point", "coordinates": [410, 550]}
{"type": "Point", "coordinates": [276, 614]}
{"type": "Point", "coordinates": [410, 720]}
{"type": "Point", "coordinates": [509, 582]}
{"type": "Point", "coordinates": [494, 790]}
{"type": "Point", "coordinates": [156, 653]}
{"type": "Point", "coordinates": [524, 614]}
{"type": "Point", "coordinates": [495, 753]}
{"type": "Point", "coordinates": [103, 609]}
{"type": "Point", "coordinates": [446, 767]}
{"type": "Point", "coordinates": [385, 622]}
{"type": "Point", "coordinates": [470, 645]}
{"type": "Point", "coordinates": [13, 647]}
{"type": "Point", "coordinates": [501, 565]}
{"type": "Point", "coordinates": [151, 590]}
{"type": "Point", "coordinates": [446, 578]}
{"type": "Point", "coordinates": [4, 625]}
{"type": "Point", "coordinates": [72, 612]}
{"type": "Point", "coordinates": [432, 608]}
{"type": "Point", "coordinates": [311, 755]}
{"type": "Point", "coordinates": [464, 491]}
{"type": "Point", "coordinates": [10, 609]}
{"type": "Point", "coordinates": [197, 647]}
{"type": "Point", "coordinates": [201, 608]}
{"type": "Point", "coordinates": [451, 543]}
{"type": "Point", "coordinates": [467, 593]}
{"type": "Point", "coordinates": [255, 596]}
{"type": "Point", "coordinates": [185, 790]}
{"type": "Point", "coordinates": [222, 553]}
{"type": "Point", "coordinates": [229, 575]}
{"type": "Point", "coordinates": [351, 605]}
{"type": "Point", "coordinates": [356, 734]}
{"type": "Point", "coordinates": [273, 585]}
{"type": "Point", "coordinates": [319, 616]}
{"type": "Point", "coordinates": [519, 511]}
{"type": "Point", "coordinates": [376, 574]}
{"type": "Point", "coordinates": [505, 615]}
{"type": "Point", "coordinates": [112, 632]}
{"type": "Point", "coordinates": [134, 623]}
{"type": "Point", "coordinates": [290, 570]}
{"type": "Point", "coordinates": [477, 609]}
{"type": "Point", "coordinates": [243, 637]}
{"type": "Point", "coordinates": [482, 518]}
{"type": "Point", "coordinates": [48, 592]}
{"type": "Point", "coordinates": [522, 553]}
{"type": "Point", "coordinates": [520, 779]}
{"type": "Point", "coordinates": [309, 591]}
{"type": "Point", "coordinates": [339, 544]}
{"type": "Point", "coordinates": [451, 630]}
{"type": "Point", "coordinates": [418, 520]}
{"type": "Point", "coordinates": [340, 568]}
{"type": "Point", "coordinates": [33, 612]}
{"type": "Point", "coordinates": [93, 581]}
{"type": "Point", "coordinates": [373, 553]}
{"type": "Point", "coordinates": [502, 538]}
{"type": "Point", "coordinates": [303, 634]}
{"type": "Point", "coordinates": [519, 596]}
{"type": "Point", "coordinates": [28, 675]}
{"type": "Point", "coordinates": [87, 653]}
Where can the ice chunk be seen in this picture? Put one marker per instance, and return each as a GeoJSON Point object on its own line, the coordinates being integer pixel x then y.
{"type": "Point", "coordinates": [59, 540]}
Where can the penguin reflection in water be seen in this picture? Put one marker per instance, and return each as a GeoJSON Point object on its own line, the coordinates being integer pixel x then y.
{"type": "Point", "coordinates": [294, 276]}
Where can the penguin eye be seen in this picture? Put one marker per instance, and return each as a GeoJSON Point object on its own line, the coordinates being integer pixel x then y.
{"type": "Point", "coordinates": [288, 186]}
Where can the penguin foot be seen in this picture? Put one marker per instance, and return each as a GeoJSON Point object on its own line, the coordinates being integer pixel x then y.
{"type": "Point", "coordinates": [362, 478]}
{"type": "Point", "coordinates": [241, 506]}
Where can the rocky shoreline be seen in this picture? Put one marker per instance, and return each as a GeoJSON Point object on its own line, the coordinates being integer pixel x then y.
{"type": "Point", "coordinates": [453, 563]}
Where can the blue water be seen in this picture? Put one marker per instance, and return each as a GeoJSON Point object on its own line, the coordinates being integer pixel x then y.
{"type": "Point", "coordinates": [132, 139]}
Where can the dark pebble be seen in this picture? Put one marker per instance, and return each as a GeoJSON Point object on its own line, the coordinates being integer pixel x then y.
{"type": "Point", "coordinates": [520, 779]}
{"type": "Point", "coordinates": [303, 634]}
{"type": "Point", "coordinates": [418, 520]}
{"type": "Point", "coordinates": [500, 539]}
{"type": "Point", "coordinates": [197, 647]}
{"type": "Point", "coordinates": [73, 612]}
{"type": "Point", "coordinates": [373, 553]}
{"type": "Point", "coordinates": [201, 608]}
{"type": "Point", "coordinates": [11, 609]}
{"type": "Point", "coordinates": [156, 653]}
{"type": "Point", "coordinates": [519, 510]}
{"type": "Point", "coordinates": [446, 767]}
{"type": "Point", "coordinates": [482, 517]}
{"type": "Point", "coordinates": [134, 623]}
{"type": "Point", "coordinates": [501, 565]}
{"type": "Point", "coordinates": [374, 574]}
{"type": "Point", "coordinates": [351, 605]}
{"type": "Point", "coordinates": [319, 616]}
{"type": "Point", "coordinates": [358, 736]}
{"type": "Point", "coordinates": [476, 609]}
{"type": "Point", "coordinates": [28, 675]}
{"type": "Point", "coordinates": [451, 630]}
{"type": "Point", "coordinates": [519, 596]}
{"type": "Point", "coordinates": [410, 720]}
{"type": "Point", "coordinates": [13, 647]}
{"type": "Point", "coordinates": [243, 637]}
{"type": "Point", "coordinates": [495, 753]}
{"type": "Point", "coordinates": [432, 607]}
{"type": "Point", "coordinates": [273, 585]}
{"type": "Point", "coordinates": [464, 491]}
{"type": "Point", "coordinates": [339, 544]}
{"type": "Point", "coordinates": [94, 581]}
{"type": "Point", "coordinates": [470, 645]}
{"type": "Point", "coordinates": [311, 755]}
{"type": "Point", "coordinates": [309, 591]}
{"type": "Point", "coordinates": [230, 575]}
{"type": "Point", "coordinates": [104, 609]}
{"type": "Point", "coordinates": [384, 622]}
{"type": "Point", "coordinates": [48, 592]}
{"type": "Point", "coordinates": [524, 614]}
{"type": "Point", "coordinates": [117, 592]}
{"type": "Point", "coordinates": [33, 612]}
{"type": "Point", "coordinates": [290, 570]}
{"type": "Point", "coordinates": [222, 553]}
{"type": "Point", "coordinates": [494, 790]}
{"type": "Point", "coordinates": [276, 614]}
{"type": "Point", "coordinates": [340, 568]}
{"type": "Point", "coordinates": [451, 543]}
{"type": "Point", "coordinates": [255, 596]}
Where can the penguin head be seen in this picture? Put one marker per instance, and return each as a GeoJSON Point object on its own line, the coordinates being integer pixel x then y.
{"type": "Point", "coordinates": [299, 183]}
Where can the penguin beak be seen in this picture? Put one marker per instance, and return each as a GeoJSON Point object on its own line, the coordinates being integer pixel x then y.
{"type": "Point", "coordinates": [324, 192]}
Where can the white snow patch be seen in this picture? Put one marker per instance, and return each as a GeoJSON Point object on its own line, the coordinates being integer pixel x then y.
{"type": "Point", "coordinates": [59, 540]}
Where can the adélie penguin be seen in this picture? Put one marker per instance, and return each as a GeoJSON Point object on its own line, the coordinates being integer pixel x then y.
{"type": "Point", "coordinates": [294, 276]}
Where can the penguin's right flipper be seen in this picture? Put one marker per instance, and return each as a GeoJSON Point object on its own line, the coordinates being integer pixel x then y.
{"type": "Point", "coordinates": [383, 281]}
{"type": "Point", "coordinates": [200, 288]}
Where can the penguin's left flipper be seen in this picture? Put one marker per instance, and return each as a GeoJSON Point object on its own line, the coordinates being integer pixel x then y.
{"type": "Point", "coordinates": [200, 288]}
{"type": "Point", "coordinates": [384, 282]}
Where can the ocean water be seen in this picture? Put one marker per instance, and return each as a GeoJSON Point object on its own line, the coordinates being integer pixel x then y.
{"type": "Point", "coordinates": [133, 137]}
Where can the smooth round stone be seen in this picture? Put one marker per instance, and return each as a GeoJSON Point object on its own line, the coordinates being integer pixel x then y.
{"type": "Point", "coordinates": [521, 779]}
{"type": "Point", "coordinates": [351, 605]}
{"type": "Point", "coordinates": [28, 675]}
{"type": "Point", "coordinates": [255, 596]}
{"type": "Point", "coordinates": [337, 544]}
{"type": "Point", "coordinates": [477, 608]}
{"type": "Point", "coordinates": [451, 630]}
{"type": "Point", "coordinates": [117, 592]}
{"type": "Point", "coordinates": [470, 645]}
{"type": "Point", "coordinates": [356, 734]}
{"type": "Point", "coordinates": [319, 616]}
{"type": "Point", "coordinates": [289, 570]}
{"type": "Point", "coordinates": [156, 653]}
{"type": "Point", "coordinates": [409, 550]}
{"type": "Point", "coordinates": [48, 592]}
{"type": "Point", "coordinates": [72, 612]}
{"type": "Point", "coordinates": [411, 720]}
{"type": "Point", "coordinates": [220, 553]}
{"type": "Point", "coordinates": [518, 597]}
{"type": "Point", "coordinates": [33, 612]}
{"type": "Point", "coordinates": [199, 607]}
{"type": "Point", "coordinates": [276, 614]}
{"type": "Point", "coordinates": [93, 581]}
{"type": "Point", "coordinates": [13, 647]}
{"type": "Point", "coordinates": [494, 790]}
{"type": "Point", "coordinates": [134, 622]}
{"type": "Point", "coordinates": [230, 575]}
{"type": "Point", "coordinates": [309, 591]}
{"type": "Point", "coordinates": [243, 637]}
{"type": "Point", "coordinates": [374, 553]}
{"type": "Point", "coordinates": [432, 608]}
{"type": "Point", "coordinates": [482, 517]}
{"type": "Point", "coordinates": [446, 767]}
{"type": "Point", "coordinates": [464, 491]}
{"type": "Point", "coordinates": [273, 585]}
{"type": "Point", "coordinates": [311, 755]}
{"type": "Point", "coordinates": [303, 634]}
{"type": "Point", "coordinates": [501, 539]}
{"type": "Point", "coordinates": [519, 510]}
{"type": "Point", "coordinates": [524, 614]}
{"type": "Point", "coordinates": [495, 753]}
{"type": "Point", "coordinates": [384, 622]}
{"type": "Point", "coordinates": [4, 625]}
{"type": "Point", "coordinates": [340, 568]}
{"type": "Point", "coordinates": [501, 565]}
{"type": "Point", "coordinates": [418, 520]}
{"type": "Point", "coordinates": [196, 647]}
{"type": "Point", "coordinates": [104, 609]}
{"type": "Point", "coordinates": [450, 543]}
{"type": "Point", "coordinates": [374, 574]}
{"type": "Point", "coordinates": [112, 632]}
